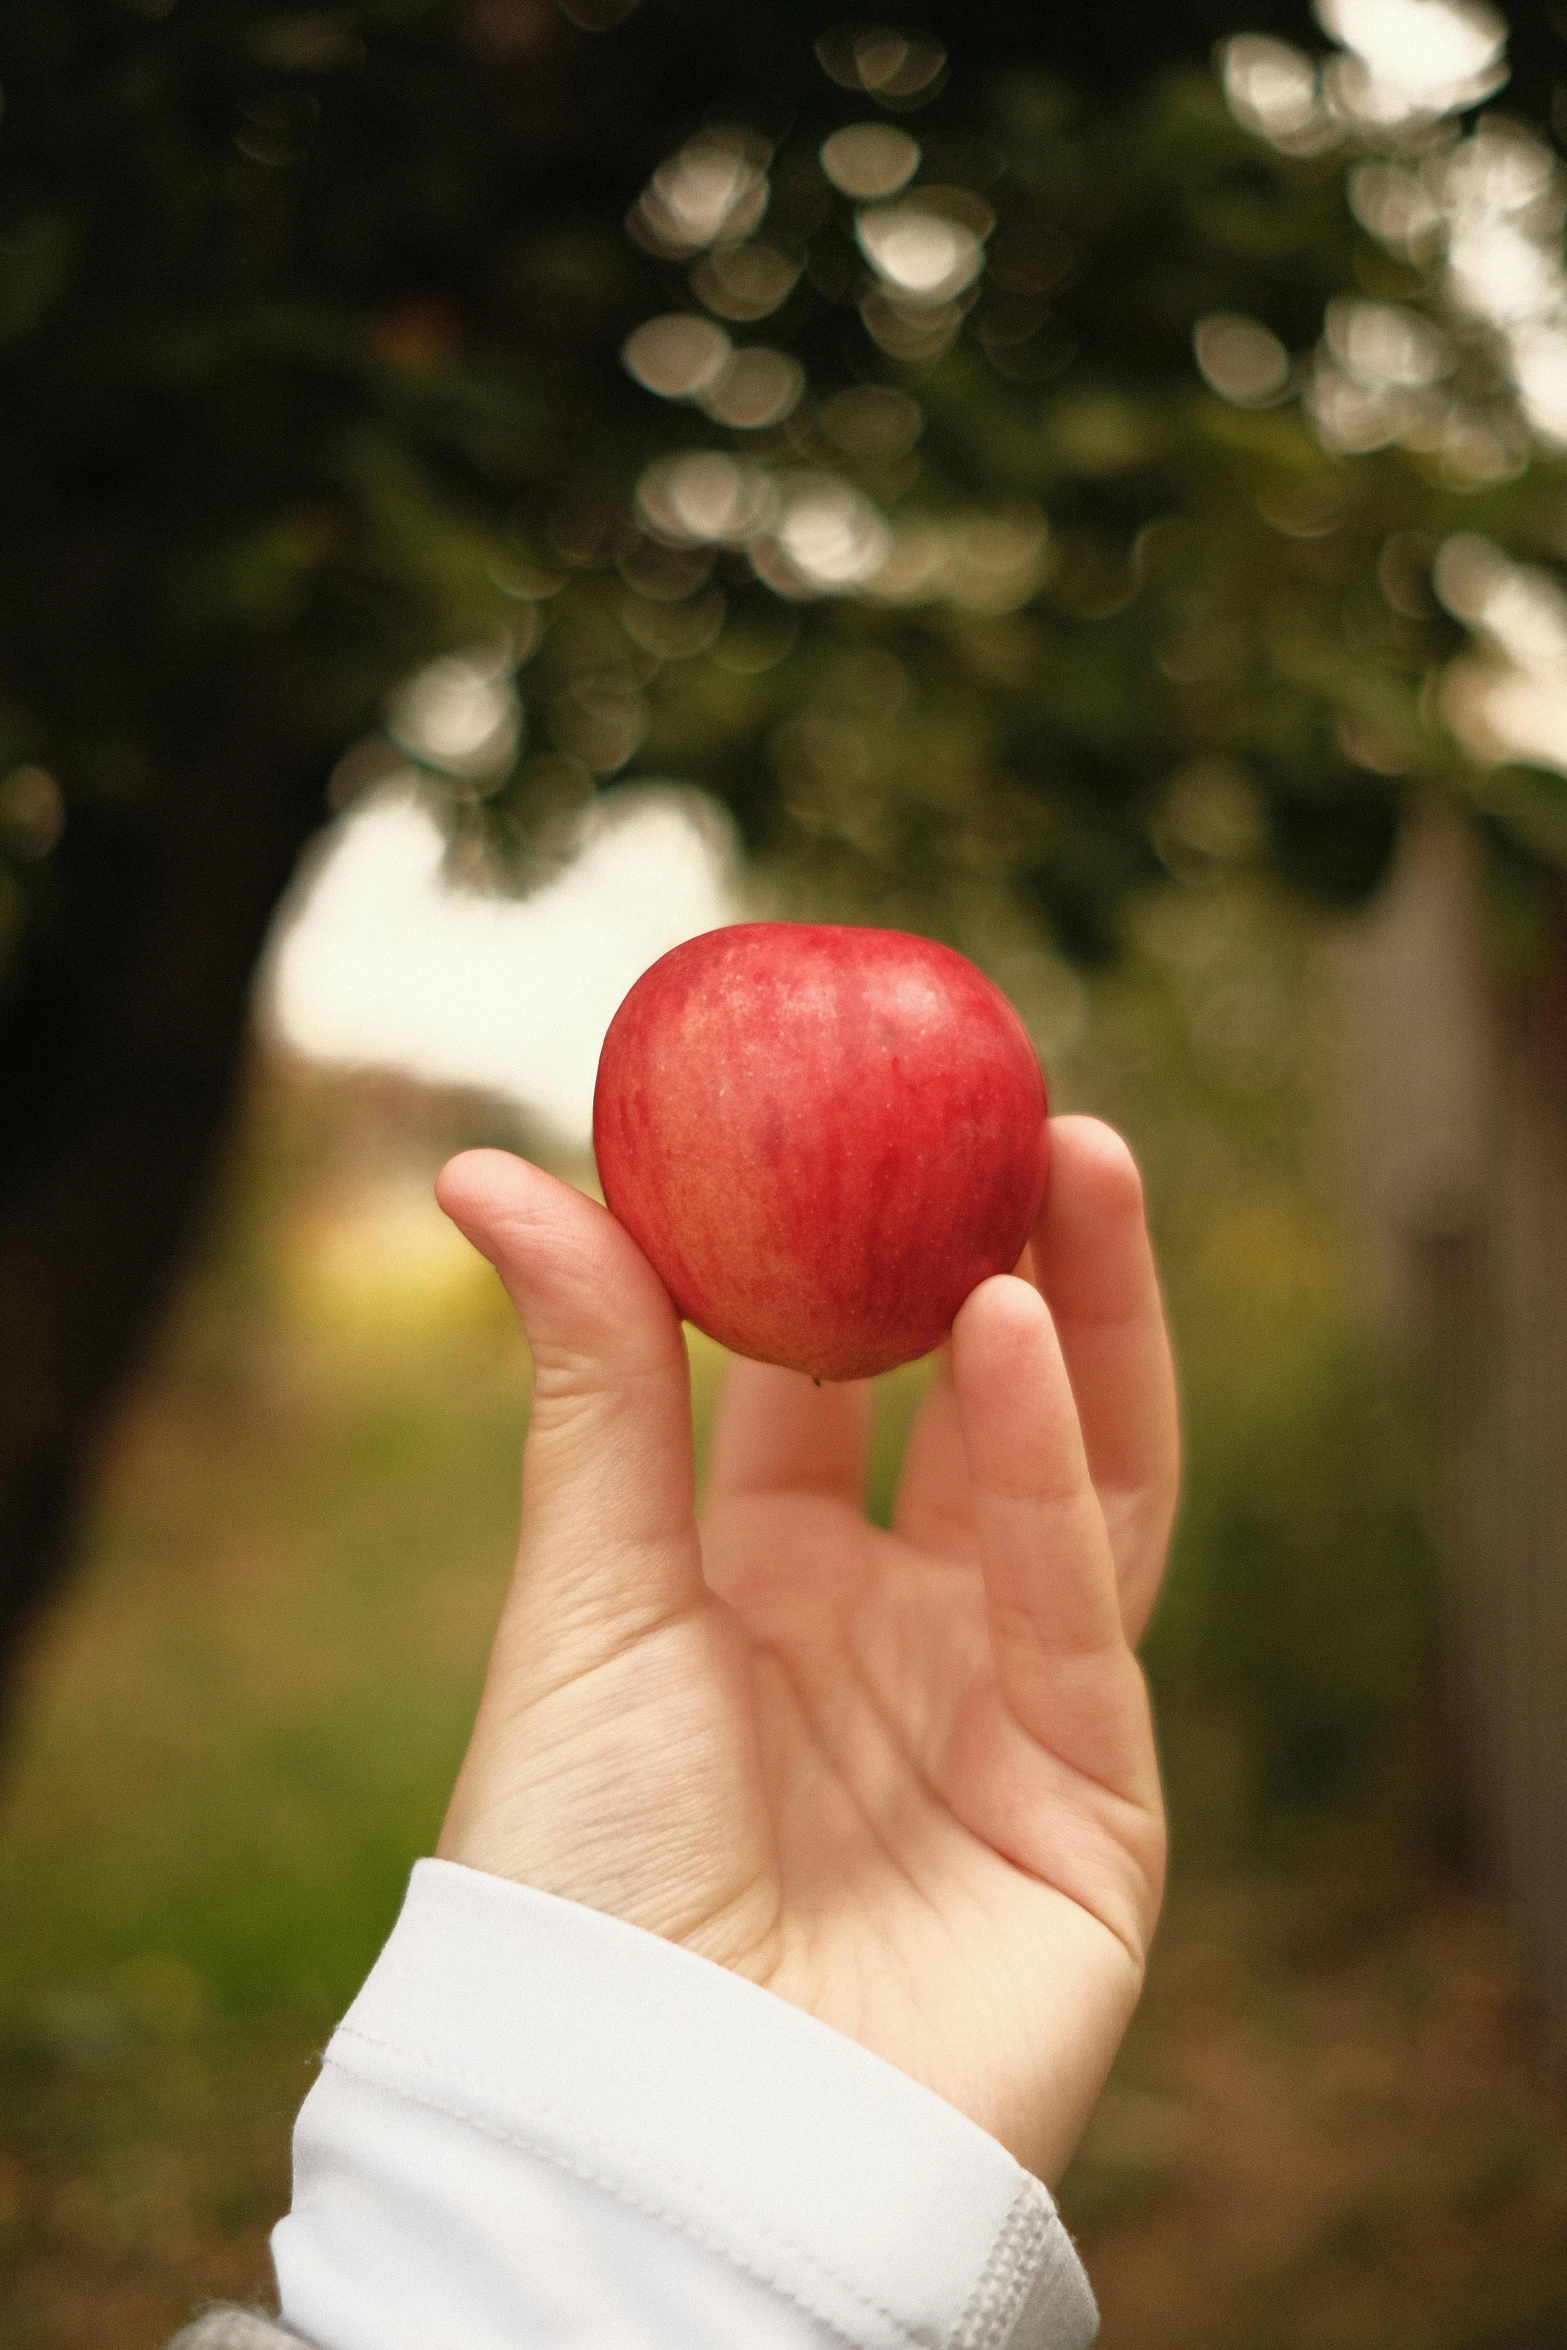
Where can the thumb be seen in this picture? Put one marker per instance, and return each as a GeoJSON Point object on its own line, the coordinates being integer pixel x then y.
{"type": "Point", "coordinates": [609, 1546]}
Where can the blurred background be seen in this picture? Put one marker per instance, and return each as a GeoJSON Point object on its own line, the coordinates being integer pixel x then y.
{"type": "Point", "coordinates": [494, 487]}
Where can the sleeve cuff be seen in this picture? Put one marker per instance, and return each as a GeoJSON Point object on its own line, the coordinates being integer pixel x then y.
{"type": "Point", "coordinates": [517, 2066]}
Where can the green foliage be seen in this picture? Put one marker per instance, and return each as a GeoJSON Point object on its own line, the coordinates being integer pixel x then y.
{"type": "Point", "coordinates": [311, 328]}
{"type": "Point", "coordinates": [1302, 1593]}
{"type": "Point", "coordinates": [266, 409]}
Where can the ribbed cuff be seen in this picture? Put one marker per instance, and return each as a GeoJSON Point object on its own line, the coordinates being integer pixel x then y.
{"type": "Point", "coordinates": [634, 2071]}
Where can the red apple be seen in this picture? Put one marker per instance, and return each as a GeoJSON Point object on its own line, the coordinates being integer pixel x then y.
{"type": "Point", "coordinates": [822, 1138]}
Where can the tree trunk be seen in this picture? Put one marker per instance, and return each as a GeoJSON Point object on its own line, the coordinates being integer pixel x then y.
{"type": "Point", "coordinates": [1461, 1118]}
{"type": "Point", "coordinates": [119, 1060]}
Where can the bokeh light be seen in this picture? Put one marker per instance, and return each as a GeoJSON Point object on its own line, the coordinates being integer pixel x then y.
{"type": "Point", "coordinates": [980, 562]}
{"type": "Point", "coordinates": [706, 495]}
{"type": "Point", "coordinates": [462, 714]}
{"type": "Point", "coordinates": [1506, 699]}
{"type": "Point", "coordinates": [1411, 60]}
{"type": "Point", "coordinates": [758, 387]}
{"type": "Point", "coordinates": [828, 536]}
{"type": "Point", "coordinates": [870, 159]}
{"type": "Point", "coordinates": [1480, 215]}
{"type": "Point", "coordinates": [1276, 91]}
{"type": "Point", "coordinates": [599, 718]}
{"type": "Point", "coordinates": [714, 191]}
{"type": "Point", "coordinates": [677, 356]}
{"type": "Point", "coordinates": [744, 281]}
{"type": "Point", "coordinates": [898, 67]}
{"type": "Point", "coordinates": [921, 254]}
{"type": "Point", "coordinates": [1241, 359]}
{"type": "Point", "coordinates": [32, 812]}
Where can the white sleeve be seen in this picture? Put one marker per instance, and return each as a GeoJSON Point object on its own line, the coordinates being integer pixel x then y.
{"type": "Point", "coordinates": [540, 2129]}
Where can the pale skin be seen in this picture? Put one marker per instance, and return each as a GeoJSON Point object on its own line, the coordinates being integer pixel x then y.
{"type": "Point", "coordinates": [905, 1780]}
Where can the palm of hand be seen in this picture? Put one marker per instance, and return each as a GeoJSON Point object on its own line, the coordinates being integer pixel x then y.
{"type": "Point", "coordinates": [905, 1779]}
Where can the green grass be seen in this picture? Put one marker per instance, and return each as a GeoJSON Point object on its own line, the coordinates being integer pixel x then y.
{"type": "Point", "coordinates": [257, 1699]}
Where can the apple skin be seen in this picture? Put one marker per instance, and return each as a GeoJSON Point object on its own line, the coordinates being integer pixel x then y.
{"type": "Point", "coordinates": [822, 1138]}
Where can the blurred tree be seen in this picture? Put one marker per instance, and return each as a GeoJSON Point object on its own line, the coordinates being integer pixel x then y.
{"type": "Point", "coordinates": [965, 581]}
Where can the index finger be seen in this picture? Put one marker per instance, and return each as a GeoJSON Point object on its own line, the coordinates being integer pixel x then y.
{"type": "Point", "coordinates": [1093, 1261]}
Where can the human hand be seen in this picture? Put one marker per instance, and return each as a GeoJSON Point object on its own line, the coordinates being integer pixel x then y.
{"type": "Point", "coordinates": [905, 1780]}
